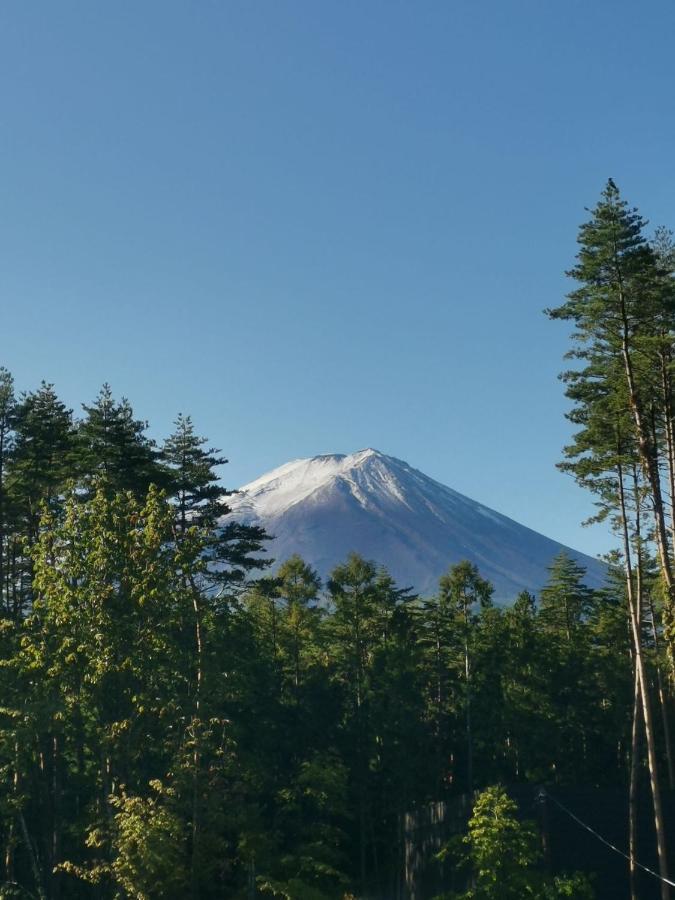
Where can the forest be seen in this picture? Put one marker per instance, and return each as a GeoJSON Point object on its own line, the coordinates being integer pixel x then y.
{"type": "Point", "coordinates": [182, 718]}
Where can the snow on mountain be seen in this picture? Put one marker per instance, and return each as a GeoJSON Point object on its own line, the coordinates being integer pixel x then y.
{"type": "Point", "coordinates": [328, 506]}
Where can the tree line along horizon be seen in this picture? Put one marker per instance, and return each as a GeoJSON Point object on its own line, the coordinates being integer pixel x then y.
{"type": "Point", "coordinates": [175, 721]}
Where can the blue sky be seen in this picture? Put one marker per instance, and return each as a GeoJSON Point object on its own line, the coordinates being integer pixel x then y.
{"type": "Point", "coordinates": [323, 226]}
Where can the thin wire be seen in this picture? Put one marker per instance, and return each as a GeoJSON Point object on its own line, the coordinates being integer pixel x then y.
{"type": "Point", "coordinates": [607, 843]}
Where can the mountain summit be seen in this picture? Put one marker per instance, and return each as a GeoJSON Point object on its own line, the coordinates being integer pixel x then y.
{"type": "Point", "coordinates": [325, 507]}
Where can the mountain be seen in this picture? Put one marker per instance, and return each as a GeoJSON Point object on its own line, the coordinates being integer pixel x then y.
{"type": "Point", "coordinates": [328, 506]}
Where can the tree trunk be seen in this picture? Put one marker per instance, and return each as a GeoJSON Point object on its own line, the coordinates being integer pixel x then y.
{"type": "Point", "coordinates": [196, 761]}
{"type": "Point", "coordinates": [2, 512]}
{"type": "Point", "coordinates": [633, 788]}
{"type": "Point", "coordinates": [634, 591]}
{"type": "Point", "coordinates": [55, 877]}
{"type": "Point", "coordinates": [647, 454]}
{"type": "Point", "coordinates": [669, 430]}
{"type": "Point", "coordinates": [663, 701]}
{"type": "Point", "coordinates": [12, 838]}
{"type": "Point", "coordinates": [467, 675]}
{"type": "Point", "coordinates": [34, 860]}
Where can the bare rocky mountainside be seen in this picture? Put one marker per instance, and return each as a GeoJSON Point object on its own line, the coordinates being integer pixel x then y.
{"type": "Point", "coordinates": [328, 506]}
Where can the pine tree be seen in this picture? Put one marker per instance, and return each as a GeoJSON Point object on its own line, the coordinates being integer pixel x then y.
{"type": "Point", "coordinates": [114, 449]}
{"type": "Point", "coordinates": [7, 417]}
{"type": "Point", "coordinates": [565, 599]}
{"type": "Point", "coordinates": [620, 310]}
{"type": "Point", "coordinates": [38, 468]}
{"type": "Point", "coordinates": [299, 586]}
{"type": "Point", "coordinates": [232, 549]}
{"type": "Point", "coordinates": [464, 591]}
{"type": "Point", "coordinates": [199, 499]}
{"type": "Point", "coordinates": [42, 458]}
{"type": "Point", "coordinates": [623, 317]}
{"type": "Point", "coordinates": [528, 714]}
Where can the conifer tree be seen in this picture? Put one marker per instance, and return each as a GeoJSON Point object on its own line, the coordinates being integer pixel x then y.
{"type": "Point", "coordinates": [620, 309]}
{"type": "Point", "coordinates": [527, 709]}
{"type": "Point", "coordinates": [199, 499]}
{"type": "Point", "coordinates": [232, 549]}
{"type": "Point", "coordinates": [464, 591]}
{"type": "Point", "coordinates": [42, 457]}
{"type": "Point", "coordinates": [623, 316]}
{"type": "Point", "coordinates": [7, 416]}
{"type": "Point", "coordinates": [114, 449]}
{"type": "Point", "coordinates": [366, 602]}
{"type": "Point", "coordinates": [38, 468]}
{"type": "Point", "coordinates": [299, 586]}
{"type": "Point", "coordinates": [355, 631]}
{"type": "Point", "coordinates": [565, 599]}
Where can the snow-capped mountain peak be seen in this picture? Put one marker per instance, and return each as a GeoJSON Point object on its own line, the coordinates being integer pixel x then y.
{"type": "Point", "coordinates": [326, 506]}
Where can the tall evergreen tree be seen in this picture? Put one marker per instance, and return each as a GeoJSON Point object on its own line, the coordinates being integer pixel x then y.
{"type": "Point", "coordinates": [7, 421]}
{"type": "Point", "coordinates": [232, 549]}
{"type": "Point", "coordinates": [38, 469]}
{"type": "Point", "coordinates": [619, 310]}
{"type": "Point", "coordinates": [565, 599]}
{"type": "Point", "coordinates": [464, 590]}
{"type": "Point", "coordinates": [114, 448]}
{"type": "Point", "coordinates": [299, 586]}
{"type": "Point", "coordinates": [199, 498]}
{"type": "Point", "coordinates": [623, 316]}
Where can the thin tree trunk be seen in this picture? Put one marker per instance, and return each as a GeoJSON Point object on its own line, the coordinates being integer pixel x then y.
{"type": "Point", "coordinates": [633, 788]}
{"type": "Point", "coordinates": [469, 735]}
{"type": "Point", "coordinates": [34, 860]}
{"type": "Point", "coordinates": [55, 878]}
{"type": "Point", "coordinates": [669, 430]}
{"type": "Point", "coordinates": [633, 588]}
{"type": "Point", "coordinates": [2, 511]}
{"type": "Point", "coordinates": [467, 675]}
{"type": "Point", "coordinates": [663, 703]}
{"type": "Point", "coordinates": [661, 693]}
{"type": "Point", "coordinates": [194, 878]}
{"type": "Point", "coordinates": [11, 835]}
{"type": "Point", "coordinates": [439, 712]}
{"type": "Point", "coordinates": [296, 648]}
{"type": "Point", "coordinates": [647, 453]}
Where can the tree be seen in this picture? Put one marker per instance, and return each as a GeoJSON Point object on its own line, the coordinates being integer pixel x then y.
{"type": "Point", "coordinates": [42, 458]}
{"type": "Point", "coordinates": [312, 861]}
{"type": "Point", "coordinates": [623, 313]}
{"type": "Point", "coordinates": [565, 599]}
{"type": "Point", "coordinates": [7, 416]}
{"type": "Point", "coordinates": [232, 549]}
{"type": "Point", "coordinates": [113, 448]}
{"type": "Point", "coordinates": [37, 472]}
{"type": "Point", "coordinates": [199, 498]}
{"type": "Point", "coordinates": [299, 586]}
{"type": "Point", "coordinates": [366, 607]}
{"type": "Point", "coordinates": [621, 309]}
{"type": "Point", "coordinates": [464, 591]}
{"type": "Point", "coordinates": [504, 855]}
{"type": "Point", "coordinates": [355, 632]}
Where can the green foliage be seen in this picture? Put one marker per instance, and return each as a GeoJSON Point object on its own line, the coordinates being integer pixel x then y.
{"type": "Point", "coordinates": [232, 549]}
{"type": "Point", "coordinates": [199, 498]}
{"type": "Point", "coordinates": [172, 727]}
{"type": "Point", "coordinates": [504, 855]}
{"type": "Point", "coordinates": [565, 600]}
{"type": "Point", "coordinates": [146, 847]}
{"type": "Point", "coordinates": [113, 449]}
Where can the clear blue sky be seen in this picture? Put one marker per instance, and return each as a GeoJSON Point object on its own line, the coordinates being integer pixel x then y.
{"type": "Point", "coordinates": [321, 226]}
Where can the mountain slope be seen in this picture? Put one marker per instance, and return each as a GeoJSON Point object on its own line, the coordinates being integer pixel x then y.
{"type": "Point", "coordinates": [327, 506]}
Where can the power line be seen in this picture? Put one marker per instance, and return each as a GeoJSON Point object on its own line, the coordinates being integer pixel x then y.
{"type": "Point", "coordinates": [541, 797]}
